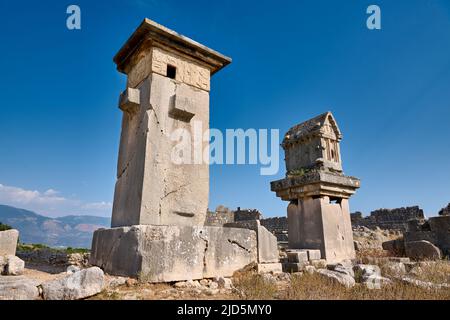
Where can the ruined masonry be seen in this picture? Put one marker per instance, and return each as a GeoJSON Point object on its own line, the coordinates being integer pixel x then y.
{"type": "Point", "coordinates": [317, 190]}
{"type": "Point", "coordinates": [158, 232]}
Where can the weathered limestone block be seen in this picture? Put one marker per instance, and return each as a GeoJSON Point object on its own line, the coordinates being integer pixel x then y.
{"type": "Point", "coordinates": [173, 253]}
{"type": "Point", "coordinates": [342, 267]}
{"type": "Point", "coordinates": [18, 288]}
{"type": "Point", "coordinates": [12, 265]}
{"type": "Point", "coordinates": [8, 242]}
{"type": "Point", "coordinates": [267, 242]}
{"type": "Point", "coordinates": [440, 226]}
{"type": "Point", "coordinates": [396, 246]}
{"type": "Point", "coordinates": [319, 224]}
{"type": "Point", "coordinates": [338, 277]}
{"type": "Point", "coordinates": [78, 285]}
{"type": "Point", "coordinates": [422, 250]}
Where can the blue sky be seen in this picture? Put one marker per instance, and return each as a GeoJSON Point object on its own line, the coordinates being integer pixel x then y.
{"type": "Point", "coordinates": [389, 91]}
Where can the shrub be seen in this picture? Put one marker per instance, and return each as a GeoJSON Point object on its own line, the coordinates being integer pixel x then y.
{"type": "Point", "coordinates": [4, 227]}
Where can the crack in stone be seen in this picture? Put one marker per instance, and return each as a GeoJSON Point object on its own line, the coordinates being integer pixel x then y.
{"type": "Point", "coordinates": [126, 167]}
{"type": "Point", "coordinates": [238, 244]}
{"type": "Point", "coordinates": [176, 190]}
{"type": "Point", "coordinates": [204, 251]}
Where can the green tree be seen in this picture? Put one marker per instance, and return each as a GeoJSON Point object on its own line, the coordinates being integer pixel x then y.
{"type": "Point", "coordinates": [4, 227]}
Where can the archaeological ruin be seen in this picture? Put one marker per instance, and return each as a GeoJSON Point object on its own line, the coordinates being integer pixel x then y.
{"type": "Point", "coordinates": [392, 219]}
{"type": "Point", "coordinates": [445, 211]}
{"type": "Point", "coordinates": [317, 190]}
{"type": "Point", "coordinates": [158, 230]}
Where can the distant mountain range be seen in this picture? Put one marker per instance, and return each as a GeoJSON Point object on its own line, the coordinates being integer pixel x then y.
{"type": "Point", "coordinates": [68, 231]}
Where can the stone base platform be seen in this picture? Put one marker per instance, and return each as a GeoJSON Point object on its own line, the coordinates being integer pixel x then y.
{"type": "Point", "coordinates": [173, 253]}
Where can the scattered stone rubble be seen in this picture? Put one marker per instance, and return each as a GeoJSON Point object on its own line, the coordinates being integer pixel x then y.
{"type": "Point", "coordinates": [81, 283]}
{"type": "Point", "coordinates": [428, 239]}
{"type": "Point", "coordinates": [365, 238]}
{"type": "Point", "coordinates": [76, 285]}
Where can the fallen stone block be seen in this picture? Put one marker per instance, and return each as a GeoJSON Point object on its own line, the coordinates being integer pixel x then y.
{"type": "Point", "coordinates": [8, 242]}
{"type": "Point", "coordinates": [269, 267]}
{"type": "Point", "coordinates": [338, 277]}
{"type": "Point", "coordinates": [12, 266]}
{"type": "Point", "coordinates": [79, 285]}
{"type": "Point", "coordinates": [342, 267]}
{"type": "Point", "coordinates": [422, 250]}
{"type": "Point", "coordinates": [18, 288]}
{"type": "Point", "coordinates": [396, 246]}
{"type": "Point", "coordinates": [296, 256]}
{"type": "Point", "coordinates": [365, 271]}
{"type": "Point", "coordinates": [173, 253]}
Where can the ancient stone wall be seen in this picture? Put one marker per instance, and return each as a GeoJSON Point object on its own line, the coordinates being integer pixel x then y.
{"type": "Point", "coordinates": [394, 219]}
{"type": "Point", "coordinates": [247, 214]}
{"type": "Point", "coordinates": [219, 217]}
{"type": "Point", "coordinates": [445, 211]}
{"type": "Point", "coordinates": [278, 226]}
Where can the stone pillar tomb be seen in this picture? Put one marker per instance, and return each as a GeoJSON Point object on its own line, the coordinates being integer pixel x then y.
{"type": "Point", "coordinates": [160, 206]}
{"type": "Point", "coordinates": [317, 190]}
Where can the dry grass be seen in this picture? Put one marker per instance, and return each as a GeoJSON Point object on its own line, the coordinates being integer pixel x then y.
{"type": "Point", "coordinates": [315, 287]}
{"type": "Point", "coordinates": [434, 271]}
{"type": "Point", "coordinates": [254, 287]}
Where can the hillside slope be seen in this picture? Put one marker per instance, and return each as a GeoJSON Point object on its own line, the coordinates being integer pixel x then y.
{"type": "Point", "coordinates": [68, 231]}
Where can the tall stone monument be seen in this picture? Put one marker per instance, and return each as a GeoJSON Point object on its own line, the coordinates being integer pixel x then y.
{"type": "Point", "coordinates": [317, 189]}
{"type": "Point", "coordinates": [168, 83]}
{"type": "Point", "coordinates": [160, 204]}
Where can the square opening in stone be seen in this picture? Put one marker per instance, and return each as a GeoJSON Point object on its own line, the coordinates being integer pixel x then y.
{"type": "Point", "coordinates": [171, 71]}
